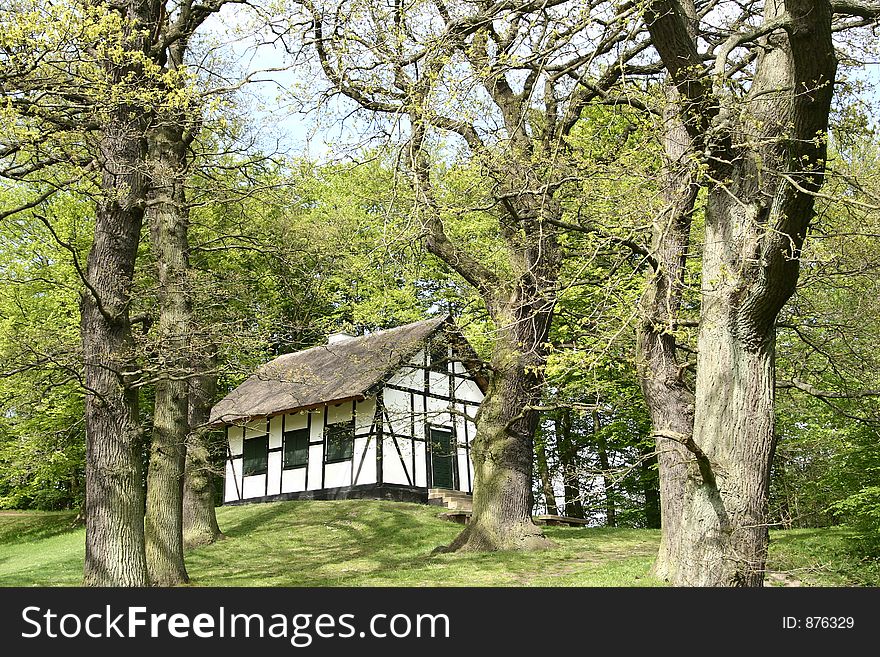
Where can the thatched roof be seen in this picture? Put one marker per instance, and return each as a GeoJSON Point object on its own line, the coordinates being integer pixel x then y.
{"type": "Point", "coordinates": [334, 372]}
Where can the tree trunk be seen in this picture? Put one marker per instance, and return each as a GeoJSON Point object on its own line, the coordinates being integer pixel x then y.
{"type": "Point", "coordinates": [199, 518]}
{"type": "Point", "coordinates": [544, 474]}
{"type": "Point", "coordinates": [724, 521]}
{"type": "Point", "coordinates": [605, 465]}
{"type": "Point", "coordinates": [574, 507]}
{"type": "Point", "coordinates": [652, 491]}
{"type": "Point", "coordinates": [521, 304]}
{"type": "Point", "coordinates": [661, 374]}
{"type": "Point", "coordinates": [114, 505]}
{"type": "Point", "coordinates": [168, 231]}
{"type": "Point", "coordinates": [502, 450]}
{"type": "Point", "coordinates": [766, 156]}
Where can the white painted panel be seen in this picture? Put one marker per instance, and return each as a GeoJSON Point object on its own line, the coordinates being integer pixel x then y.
{"type": "Point", "coordinates": [235, 446]}
{"type": "Point", "coordinates": [337, 413]}
{"type": "Point", "coordinates": [421, 479]}
{"type": "Point", "coordinates": [439, 384]}
{"type": "Point", "coordinates": [364, 415]}
{"type": "Point", "coordinates": [294, 481]}
{"type": "Point", "coordinates": [317, 432]}
{"type": "Point", "coordinates": [232, 480]}
{"type": "Point", "coordinates": [468, 390]}
{"type": "Point", "coordinates": [368, 469]}
{"type": "Point", "coordinates": [406, 449]}
{"type": "Point", "coordinates": [359, 445]}
{"type": "Point", "coordinates": [256, 428]}
{"type": "Point", "coordinates": [274, 473]}
{"type": "Point", "coordinates": [398, 412]}
{"type": "Point", "coordinates": [419, 419]}
{"type": "Point", "coordinates": [438, 412]}
{"type": "Point", "coordinates": [316, 452]}
{"type": "Point", "coordinates": [462, 470]}
{"type": "Point", "coordinates": [275, 432]}
{"type": "Point", "coordinates": [316, 456]}
{"type": "Point", "coordinates": [410, 377]}
{"type": "Point", "coordinates": [295, 421]}
{"type": "Point", "coordinates": [337, 474]}
{"type": "Point", "coordinates": [418, 358]}
{"type": "Point", "coordinates": [392, 468]}
{"type": "Point", "coordinates": [254, 486]}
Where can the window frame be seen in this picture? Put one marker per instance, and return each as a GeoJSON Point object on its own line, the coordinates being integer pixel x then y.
{"type": "Point", "coordinates": [288, 435]}
{"type": "Point", "coordinates": [333, 431]}
{"type": "Point", "coordinates": [244, 458]}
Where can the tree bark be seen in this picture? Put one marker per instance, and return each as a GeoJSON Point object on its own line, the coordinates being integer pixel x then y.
{"type": "Point", "coordinates": [199, 517]}
{"type": "Point", "coordinates": [767, 156]}
{"type": "Point", "coordinates": [114, 506]}
{"type": "Point", "coordinates": [521, 304]}
{"type": "Point", "coordinates": [544, 475]}
{"type": "Point", "coordinates": [574, 506]}
{"type": "Point", "coordinates": [724, 525]}
{"type": "Point", "coordinates": [750, 269]}
{"type": "Point", "coordinates": [605, 466]}
{"type": "Point", "coordinates": [168, 231]}
{"type": "Point", "coordinates": [660, 370]}
{"type": "Point", "coordinates": [502, 450]}
{"type": "Point", "coordinates": [652, 491]}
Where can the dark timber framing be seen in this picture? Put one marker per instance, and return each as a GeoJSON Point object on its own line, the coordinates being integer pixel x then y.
{"type": "Point", "coordinates": [324, 446]}
{"type": "Point", "coordinates": [412, 429]}
{"type": "Point", "coordinates": [433, 395]}
{"type": "Point", "coordinates": [268, 451]}
{"type": "Point", "coordinates": [426, 371]}
{"type": "Point", "coordinates": [309, 445]}
{"type": "Point", "coordinates": [354, 428]}
{"type": "Point", "coordinates": [370, 435]}
{"type": "Point", "coordinates": [380, 437]}
{"type": "Point", "coordinates": [450, 369]}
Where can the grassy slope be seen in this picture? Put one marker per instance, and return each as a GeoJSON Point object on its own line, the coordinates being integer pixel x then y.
{"type": "Point", "coordinates": [365, 543]}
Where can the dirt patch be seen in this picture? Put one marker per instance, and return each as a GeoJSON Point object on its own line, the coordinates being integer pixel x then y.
{"type": "Point", "coordinates": [782, 579]}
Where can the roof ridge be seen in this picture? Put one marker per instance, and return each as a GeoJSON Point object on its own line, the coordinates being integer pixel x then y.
{"type": "Point", "coordinates": [439, 319]}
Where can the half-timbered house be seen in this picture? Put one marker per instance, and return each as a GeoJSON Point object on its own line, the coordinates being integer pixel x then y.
{"type": "Point", "coordinates": [385, 415]}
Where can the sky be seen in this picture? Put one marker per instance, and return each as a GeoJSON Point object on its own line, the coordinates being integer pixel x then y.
{"type": "Point", "coordinates": [305, 132]}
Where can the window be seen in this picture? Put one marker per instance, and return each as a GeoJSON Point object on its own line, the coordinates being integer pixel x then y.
{"type": "Point", "coordinates": [340, 441]}
{"type": "Point", "coordinates": [256, 456]}
{"type": "Point", "coordinates": [296, 448]}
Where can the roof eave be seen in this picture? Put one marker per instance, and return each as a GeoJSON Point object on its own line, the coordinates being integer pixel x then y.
{"type": "Point", "coordinates": [245, 419]}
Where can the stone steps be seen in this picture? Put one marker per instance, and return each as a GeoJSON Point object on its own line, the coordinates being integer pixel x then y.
{"type": "Point", "coordinates": [454, 500]}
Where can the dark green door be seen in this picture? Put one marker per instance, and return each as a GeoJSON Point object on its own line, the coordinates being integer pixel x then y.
{"type": "Point", "coordinates": [441, 458]}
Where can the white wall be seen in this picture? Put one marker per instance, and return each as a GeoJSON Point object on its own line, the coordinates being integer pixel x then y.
{"type": "Point", "coordinates": [274, 484]}
{"type": "Point", "coordinates": [431, 410]}
{"type": "Point", "coordinates": [232, 488]}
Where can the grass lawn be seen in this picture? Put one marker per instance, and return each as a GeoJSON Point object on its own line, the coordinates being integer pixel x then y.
{"type": "Point", "coordinates": [372, 543]}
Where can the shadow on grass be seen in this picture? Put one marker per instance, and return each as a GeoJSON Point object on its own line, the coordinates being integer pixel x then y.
{"type": "Point", "coordinates": [255, 516]}
{"type": "Point", "coordinates": [316, 543]}
{"type": "Point", "coordinates": [789, 535]}
{"type": "Point", "coordinates": [360, 543]}
{"type": "Point", "coordinates": [26, 527]}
